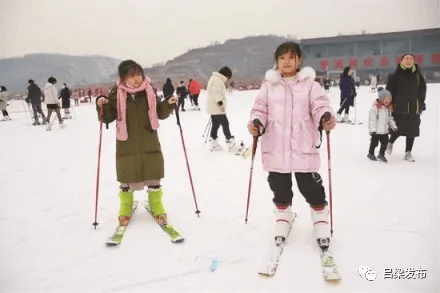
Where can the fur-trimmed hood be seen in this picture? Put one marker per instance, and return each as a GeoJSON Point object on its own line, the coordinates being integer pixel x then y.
{"type": "Point", "coordinates": [274, 76]}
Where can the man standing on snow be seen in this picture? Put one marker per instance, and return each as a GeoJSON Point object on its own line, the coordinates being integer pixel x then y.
{"type": "Point", "coordinates": [35, 98]}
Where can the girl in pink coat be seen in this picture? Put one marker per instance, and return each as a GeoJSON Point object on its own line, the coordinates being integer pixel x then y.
{"type": "Point", "coordinates": [288, 112]}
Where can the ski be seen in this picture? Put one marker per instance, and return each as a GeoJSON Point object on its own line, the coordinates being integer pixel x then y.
{"type": "Point", "coordinates": [270, 264]}
{"type": "Point", "coordinates": [117, 236]}
{"type": "Point", "coordinates": [175, 235]}
{"type": "Point", "coordinates": [243, 151]}
{"type": "Point", "coordinates": [328, 266]}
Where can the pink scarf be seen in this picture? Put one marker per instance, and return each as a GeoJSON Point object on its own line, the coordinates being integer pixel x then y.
{"type": "Point", "coordinates": [123, 89]}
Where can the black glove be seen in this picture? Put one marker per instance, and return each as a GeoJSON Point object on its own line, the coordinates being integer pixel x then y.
{"type": "Point", "coordinates": [422, 107]}
{"type": "Point", "coordinates": [324, 118]}
{"type": "Point", "coordinates": [257, 123]}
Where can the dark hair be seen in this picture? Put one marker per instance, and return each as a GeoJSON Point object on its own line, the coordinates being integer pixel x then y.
{"type": "Point", "coordinates": [403, 56]}
{"type": "Point", "coordinates": [129, 67]}
{"type": "Point", "coordinates": [30, 81]}
{"type": "Point", "coordinates": [52, 80]}
{"type": "Point", "coordinates": [168, 80]}
{"type": "Point", "coordinates": [3, 88]}
{"type": "Point", "coordinates": [345, 71]}
{"type": "Point", "coordinates": [225, 71]}
{"type": "Point", "coordinates": [287, 47]}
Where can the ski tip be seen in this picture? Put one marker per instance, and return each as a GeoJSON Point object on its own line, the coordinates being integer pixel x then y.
{"type": "Point", "coordinates": [179, 240]}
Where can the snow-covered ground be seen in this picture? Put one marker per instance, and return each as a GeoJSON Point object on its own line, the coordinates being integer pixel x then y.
{"type": "Point", "coordinates": [386, 216]}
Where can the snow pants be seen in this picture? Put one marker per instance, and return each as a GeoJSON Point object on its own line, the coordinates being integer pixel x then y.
{"type": "Point", "coordinates": [309, 184]}
{"type": "Point", "coordinates": [218, 120]}
{"type": "Point", "coordinates": [375, 138]}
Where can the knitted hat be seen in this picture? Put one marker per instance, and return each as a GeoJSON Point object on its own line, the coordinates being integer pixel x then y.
{"type": "Point", "coordinates": [382, 94]}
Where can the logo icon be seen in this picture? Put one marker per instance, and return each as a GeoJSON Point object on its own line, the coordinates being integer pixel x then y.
{"type": "Point", "coordinates": [367, 273]}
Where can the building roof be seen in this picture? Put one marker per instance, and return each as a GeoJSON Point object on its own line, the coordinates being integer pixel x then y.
{"type": "Point", "coordinates": [370, 37]}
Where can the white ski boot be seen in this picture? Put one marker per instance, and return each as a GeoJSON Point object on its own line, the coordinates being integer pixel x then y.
{"type": "Point", "coordinates": [321, 226]}
{"type": "Point", "coordinates": [409, 157]}
{"type": "Point", "coordinates": [232, 145]}
{"type": "Point", "coordinates": [283, 223]}
{"type": "Point", "coordinates": [214, 145]}
{"type": "Point", "coordinates": [346, 119]}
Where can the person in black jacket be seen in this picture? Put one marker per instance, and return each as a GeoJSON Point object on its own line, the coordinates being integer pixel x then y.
{"type": "Point", "coordinates": [168, 89]}
{"type": "Point", "coordinates": [35, 97]}
{"type": "Point", "coordinates": [348, 93]}
{"type": "Point", "coordinates": [65, 101]}
{"type": "Point", "coordinates": [181, 93]}
{"type": "Point", "coordinates": [408, 88]}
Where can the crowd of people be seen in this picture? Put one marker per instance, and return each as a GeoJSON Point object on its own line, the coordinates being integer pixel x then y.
{"type": "Point", "coordinates": [275, 116]}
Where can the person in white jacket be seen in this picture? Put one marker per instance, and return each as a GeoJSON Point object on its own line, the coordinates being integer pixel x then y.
{"type": "Point", "coordinates": [380, 122]}
{"type": "Point", "coordinates": [51, 99]}
{"type": "Point", "coordinates": [216, 107]}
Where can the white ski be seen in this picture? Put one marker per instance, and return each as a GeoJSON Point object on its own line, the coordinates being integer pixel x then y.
{"type": "Point", "coordinates": [329, 269]}
{"type": "Point", "coordinates": [270, 264]}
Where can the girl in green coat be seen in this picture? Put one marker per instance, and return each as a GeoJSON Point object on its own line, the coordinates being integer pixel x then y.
{"type": "Point", "coordinates": [139, 161]}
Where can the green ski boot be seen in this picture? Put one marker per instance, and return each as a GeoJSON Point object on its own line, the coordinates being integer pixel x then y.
{"type": "Point", "coordinates": [156, 206]}
{"type": "Point", "coordinates": [126, 207]}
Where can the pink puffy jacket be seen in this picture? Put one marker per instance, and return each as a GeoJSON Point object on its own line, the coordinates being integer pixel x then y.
{"type": "Point", "coordinates": [290, 113]}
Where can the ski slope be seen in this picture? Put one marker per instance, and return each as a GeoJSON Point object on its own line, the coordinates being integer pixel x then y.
{"type": "Point", "coordinates": [385, 216]}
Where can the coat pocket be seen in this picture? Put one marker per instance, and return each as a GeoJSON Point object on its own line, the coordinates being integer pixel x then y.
{"type": "Point", "coordinates": [268, 138]}
{"type": "Point", "coordinates": [308, 136]}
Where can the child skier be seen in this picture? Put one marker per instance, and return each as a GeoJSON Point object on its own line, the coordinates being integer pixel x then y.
{"type": "Point", "coordinates": [139, 161]}
{"type": "Point", "coordinates": [379, 123]}
{"type": "Point", "coordinates": [291, 107]}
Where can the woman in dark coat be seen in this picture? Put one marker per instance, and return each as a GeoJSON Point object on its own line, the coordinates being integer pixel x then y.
{"type": "Point", "coordinates": [139, 161]}
{"type": "Point", "coordinates": [348, 93]}
{"type": "Point", "coordinates": [408, 89]}
{"type": "Point", "coordinates": [65, 101]}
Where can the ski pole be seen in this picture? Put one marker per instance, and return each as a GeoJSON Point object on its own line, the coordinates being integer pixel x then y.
{"type": "Point", "coordinates": [254, 150]}
{"type": "Point", "coordinates": [101, 115]}
{"type": "Point", "coordinates": [207, 128]}
{"type": "Point", "coordinates": [330, 183]}
{"type": "Point", "coordinates": [187, 163]}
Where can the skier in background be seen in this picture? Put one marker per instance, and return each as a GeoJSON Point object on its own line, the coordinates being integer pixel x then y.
{"type": "Point", "coordinates": [35, 97]}
{"type": "Point", "coordinates": [194, 91]}
{"type": "Point", "coordinates": [216, 107]}
{"type": "Point", "coordinates": [181, 94]}
{"type": "Point", "coordinates": [348, 93]}
{"type": "Point", "coordinates": [139, 161]}
{"type": "Point", "coordinates": [75, 96]}
{"type": "Point", "coordinates": [373, 83]}
{"type": "Point", "coordinates": [51, 99]}
{"type": "Point", "coordinates": [4, 103]}
{"type": "Point", "coordinates": [65, 101]}
{"type": "Point", "coordinates": [89, 93]}
{"type": "Point", "coordinates": [168, 89]}
{"type": "Point", "coordinates": [291, 107]}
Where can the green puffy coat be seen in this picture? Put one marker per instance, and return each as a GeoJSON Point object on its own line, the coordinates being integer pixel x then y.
{"type": "Point", "coordinates": [139, 158]}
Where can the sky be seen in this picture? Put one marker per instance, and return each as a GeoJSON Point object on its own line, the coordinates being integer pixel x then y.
{"type": "Point", "coordinates": [152, 32]}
